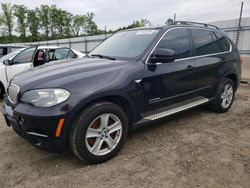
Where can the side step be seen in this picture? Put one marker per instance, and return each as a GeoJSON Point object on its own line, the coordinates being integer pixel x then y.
{"type": "Point", "coordinates": [175, 108]}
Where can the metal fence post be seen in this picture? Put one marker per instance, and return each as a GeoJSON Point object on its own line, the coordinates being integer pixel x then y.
{"type": "Point", "coordinates": [69, 43]}
{"type": "Point", "coordinates": [86, 46]}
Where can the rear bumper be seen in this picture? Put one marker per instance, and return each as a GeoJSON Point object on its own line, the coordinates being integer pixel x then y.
{"type": "Point", "coordinates": [39, 131]}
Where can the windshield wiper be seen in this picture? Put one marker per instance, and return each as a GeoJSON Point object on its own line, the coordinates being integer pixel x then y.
{"type": "Point", "coordinates": [102, 56]}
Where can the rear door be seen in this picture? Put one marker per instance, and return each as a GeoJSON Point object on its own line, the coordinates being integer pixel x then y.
{"type": "Point", "coordinates": [169, 83]}
{"type": "Point", "coordinates": [21, 62]}
{"type": "Point", "coordinates": [209, 57]}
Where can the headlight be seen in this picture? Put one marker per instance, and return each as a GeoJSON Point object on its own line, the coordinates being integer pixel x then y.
{"type": "Point", "coordinates": [45, 97]}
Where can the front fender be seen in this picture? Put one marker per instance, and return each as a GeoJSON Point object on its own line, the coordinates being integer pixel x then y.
{"type": "Point", "coordinates": [103, 96]}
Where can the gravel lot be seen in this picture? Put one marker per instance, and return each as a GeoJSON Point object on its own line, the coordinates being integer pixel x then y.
{"type": "Point", "coordinates": [197, 148]}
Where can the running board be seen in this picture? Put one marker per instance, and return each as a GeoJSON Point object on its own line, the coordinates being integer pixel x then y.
{"type": "Point", "coordinates": [167, 111]}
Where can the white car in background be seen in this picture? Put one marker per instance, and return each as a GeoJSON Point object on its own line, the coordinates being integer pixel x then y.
{"type": "Point", "coordinates": [26, 58]}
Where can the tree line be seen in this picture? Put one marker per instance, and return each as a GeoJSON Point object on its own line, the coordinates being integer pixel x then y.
{"type": "Point", "coordinates": [43, 23]}
{"type": "Point", "coordinates": [20, 24]}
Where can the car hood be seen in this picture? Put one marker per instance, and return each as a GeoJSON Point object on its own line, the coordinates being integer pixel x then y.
{"type": "Point", "coordinates": [63, 74]}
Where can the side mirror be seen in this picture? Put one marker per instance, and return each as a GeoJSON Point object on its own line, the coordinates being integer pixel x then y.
{"type": "Point", "coordinates": [7, 62]}
{"type": "Point", "coordinates": [161, 55]}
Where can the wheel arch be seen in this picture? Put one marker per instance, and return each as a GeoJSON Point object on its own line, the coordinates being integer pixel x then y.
{"type": "Point", "coordinates": [234, 78]}
{"type": "Point", "coordinates": [122, 100]}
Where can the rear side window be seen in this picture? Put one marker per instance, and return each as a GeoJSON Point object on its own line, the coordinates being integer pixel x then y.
{"type": "Point", "coordinates": [223, 42]}
{"type": "Point", "coordinates": [178, 41]}
{"type": "Point", "coordinates": [203, 42]}
{"type": "Point", "coordinates": [217, 46]}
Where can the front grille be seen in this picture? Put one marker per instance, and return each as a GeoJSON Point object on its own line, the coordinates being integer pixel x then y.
{"type": "Point", "coordinates": [13, 92]}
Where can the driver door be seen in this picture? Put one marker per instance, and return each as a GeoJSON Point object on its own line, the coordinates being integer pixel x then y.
{"type": "Point", "coordinates": [22, 62]}
{"type": "Point", "coordinates": [171, 82]}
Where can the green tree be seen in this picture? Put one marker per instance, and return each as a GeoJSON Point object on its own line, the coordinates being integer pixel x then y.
{"type": "Point", "coordinates": [68, 23]}
{"type": "Point", "coordinates": [53, 20]}
{"type": "Point", "coordinates": [33, 23]}
{"type": "Point", "coordinates": [138, 23]}
{"type": "Point", "coordinates": [90, 26]}
{"type": "Point", "coordinates": [169, 21]}
{"type": "Point", "coordinates": [20, 11]}
{"type": "Point", "coordinates": [144, 22]}
{"type": "Point", "coordinates": [44, 18]}
{"type": "Point", "coordinates": [7, 18]}
{"type": "Point", "coordinates": [60, 22]}
{"type": "Point", "coordinates": [79, 22]}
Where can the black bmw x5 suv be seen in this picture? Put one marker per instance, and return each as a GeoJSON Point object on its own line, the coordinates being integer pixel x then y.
{"type": "Point", "coordinates": [133, 77]}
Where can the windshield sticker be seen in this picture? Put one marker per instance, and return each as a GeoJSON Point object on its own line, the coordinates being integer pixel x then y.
{"type": "Point", "coordinates": [145, 32]}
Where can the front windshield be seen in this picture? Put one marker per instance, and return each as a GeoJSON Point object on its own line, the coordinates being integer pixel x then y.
{"type": "Point", "coordinates": [11, 55]}
{"type": "Point", "coordinates": [127, 44]}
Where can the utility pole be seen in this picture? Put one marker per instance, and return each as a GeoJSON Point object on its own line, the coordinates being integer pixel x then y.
{"type": "Point", "coordinates": [174, 17]}
{"type": "Point", "coordinates": [239, 25]}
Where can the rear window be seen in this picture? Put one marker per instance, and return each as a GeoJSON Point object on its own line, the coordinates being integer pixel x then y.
{"type": "Point", "coordinates": [203, 42]}
{"type": "Point", "coordinates": [223, 42]}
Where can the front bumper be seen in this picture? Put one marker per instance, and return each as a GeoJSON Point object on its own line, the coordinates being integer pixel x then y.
{"type": "Point", "coordinates": [39, 131]}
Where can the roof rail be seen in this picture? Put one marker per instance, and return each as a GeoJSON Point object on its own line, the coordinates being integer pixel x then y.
{"type": "Point", "coordinates": [192, 23]}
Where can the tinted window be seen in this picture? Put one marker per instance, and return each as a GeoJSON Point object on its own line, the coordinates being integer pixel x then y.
{"type": "Point", "coordinates": [217, 46]}
{"type": "Point", "coordinates": [178, 41]}
{"type": "Point", "coordinates": [223, 41]}
{"type": "Point", "coordinates": [203, 41]}
{"type": "Point", "coordinates": [25, 56]}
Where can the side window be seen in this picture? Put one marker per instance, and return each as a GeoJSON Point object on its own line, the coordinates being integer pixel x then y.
{"type": "Point", "coordinates": [178, 41]}
{"type": "Point", "coordinates": [72, 55]}
{"type": "Point", "coordinates": [25, 56]}
{"type": "Point", "coordinates": [61, 53]}
{"type": "Point", "coordinates": [217, 46]}
{"type": "Point", "coordinates": [223, 42]}
{"type": "Point", "coordinates": [203, 41]}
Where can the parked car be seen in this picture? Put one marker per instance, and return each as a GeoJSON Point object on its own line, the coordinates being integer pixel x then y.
{"type": "Point", "coordinates": [135, 76]}
{"type": "Point", "coordinates": [26, 58]}
{"type": "Point", "coordinates": [5, 49]}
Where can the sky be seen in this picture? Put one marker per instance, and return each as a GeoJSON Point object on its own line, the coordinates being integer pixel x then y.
{"type": "Point", "coordinates": [119, 13]}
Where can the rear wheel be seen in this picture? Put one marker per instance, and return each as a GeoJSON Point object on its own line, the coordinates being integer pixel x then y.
{"type": "Point", "coordinates": [224, 96]}
{"type": "Point", "coordinates": [99, 133]}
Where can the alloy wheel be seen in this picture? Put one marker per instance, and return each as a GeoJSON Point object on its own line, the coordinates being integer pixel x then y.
{"type": "Point", "coordinates": [227, 96]}
{"type": "Point", "coordinates": [103, 134]}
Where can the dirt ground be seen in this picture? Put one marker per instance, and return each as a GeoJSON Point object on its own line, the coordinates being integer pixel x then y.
{"type": "Point", "coordinates": [197, 148]}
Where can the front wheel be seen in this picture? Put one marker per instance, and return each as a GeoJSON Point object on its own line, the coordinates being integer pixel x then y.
{"type": "Point", "coordinates": [224, 96]}
{"type": "Point", "coordinates": [99, 133]}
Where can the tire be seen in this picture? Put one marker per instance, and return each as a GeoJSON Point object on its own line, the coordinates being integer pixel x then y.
{"type": "Point", "coordinates": [2, 91]}
{"type": "Point", "coordinates": [93, 128]}
{"type": "Point", "coordinates": [219, 105]}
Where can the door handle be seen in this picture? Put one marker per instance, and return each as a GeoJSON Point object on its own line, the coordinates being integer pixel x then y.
{"type": "Point", "coordinates": [190, 67]}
